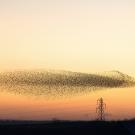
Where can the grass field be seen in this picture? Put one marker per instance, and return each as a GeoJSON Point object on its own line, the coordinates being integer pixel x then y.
{"type": "Point", "coordinates": [67, 127]}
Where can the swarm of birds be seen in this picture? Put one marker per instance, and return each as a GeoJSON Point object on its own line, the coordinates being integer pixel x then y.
{"type": "Point", "coordinates": [61, 82]}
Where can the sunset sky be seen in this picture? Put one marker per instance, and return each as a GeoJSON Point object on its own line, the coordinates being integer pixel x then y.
{"type": "Point", "coordinates": [76, 35]}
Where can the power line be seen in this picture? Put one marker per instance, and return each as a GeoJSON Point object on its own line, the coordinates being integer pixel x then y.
{"type": "Point", "coordinates": [100, 110]}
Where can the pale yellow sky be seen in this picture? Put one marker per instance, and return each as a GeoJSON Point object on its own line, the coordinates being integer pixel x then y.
{"type": "Point", "coordinates": [77, 35]}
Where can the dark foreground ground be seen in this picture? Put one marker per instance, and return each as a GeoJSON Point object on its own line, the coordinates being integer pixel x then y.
{"type": "Point", "coordinates": [67, 128]}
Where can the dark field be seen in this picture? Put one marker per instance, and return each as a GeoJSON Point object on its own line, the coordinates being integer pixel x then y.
{"type": "Point", "coordinates": [67, 128]}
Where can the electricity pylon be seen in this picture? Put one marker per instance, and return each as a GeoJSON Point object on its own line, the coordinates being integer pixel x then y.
{"type": "Point", "coordinates": [100, 110]}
